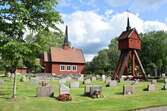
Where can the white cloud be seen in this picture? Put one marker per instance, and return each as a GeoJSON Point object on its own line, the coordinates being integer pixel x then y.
{"type": "Point", "coordinates": [91, 31]}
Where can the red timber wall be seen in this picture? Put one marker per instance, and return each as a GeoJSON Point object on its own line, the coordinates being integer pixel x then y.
{"type": "Point", "coordinates": [56, 68]}
{"type": "Point", "coordinates": [133, 42]}
{"type": "Point", "coordinates": [47, 67]}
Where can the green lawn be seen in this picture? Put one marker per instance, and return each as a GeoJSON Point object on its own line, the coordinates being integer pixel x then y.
{"type": "Point", "coordinates": [113, 99]}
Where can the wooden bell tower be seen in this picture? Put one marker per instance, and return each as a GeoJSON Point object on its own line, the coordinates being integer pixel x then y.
{"type": "Point", "coordinates": [129, 62]}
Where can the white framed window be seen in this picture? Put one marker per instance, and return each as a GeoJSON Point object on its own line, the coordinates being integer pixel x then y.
{"type": "Point", "coordinates": [68, 67]}
{"type": "Point", "coordinates": [62, 67]}
{"type": "Point", "coordinates": [74, 67]}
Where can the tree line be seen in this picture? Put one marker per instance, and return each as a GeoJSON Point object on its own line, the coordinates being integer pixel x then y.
{"type": "Point", "coordinates": [153, 55]}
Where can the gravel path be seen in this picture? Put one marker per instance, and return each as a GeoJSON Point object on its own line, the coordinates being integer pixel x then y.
{"type": "Point", "coordinates": [163, 108]}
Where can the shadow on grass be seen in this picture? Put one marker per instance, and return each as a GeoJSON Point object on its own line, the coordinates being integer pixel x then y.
{"type": "Point", "coordinates": [119, 93]}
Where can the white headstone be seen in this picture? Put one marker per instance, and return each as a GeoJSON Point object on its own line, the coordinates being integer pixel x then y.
{"type": "Point", "coordinates": [151, 87]}
{"type": "Point", "coordinates": [74, 84]}
{"type": "Point", "coordinates": [63, 89]}
{"type": "Point", "coordinates": [93, 78]}
{"type": "Point", "coordinates": [103, 77]}
{"type": "Point", "coordinates": [87, 81]}
{"type": "Point", "coordinates": [163, 75]}
{"type": "Point", "coordinates": [113, 83]}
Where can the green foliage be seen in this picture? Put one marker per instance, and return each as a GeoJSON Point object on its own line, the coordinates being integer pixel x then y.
{"type": "Point", "coordinates": [18, 16]}
{"type": "Point", "coordinates": [154, 52]}
{"type": "Point", "coordinates": [35, 15]}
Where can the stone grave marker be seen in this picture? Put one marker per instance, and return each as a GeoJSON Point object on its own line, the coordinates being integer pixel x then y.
{"type": "Point", "coordinates": [165, 80]}
{"type": "Point", "coordinates": [74, 84]}
{"type": "Point", "coordinates": [151, 87]}
{"type": "Point", "coordinates": [128, 89]}
{"type": "Point", "coordinates": [98, 77]}
{"type": "Point", "coordinates": [81, 78]}
{"type": "Point", "coordinates": [45, 90]}
{"type": "Point", "coordinates": [108, 79]}
{"type": "Point", "coordinates": [112, 83]}
{"type": "Point", "coordinates": [103, 77]}
{"type": "Point", "coordinates": [87, 81]}
{"type": "Point", "coordinates": [1, 82]}
{"type": "Point", "coordinates": [165, 86]}
{"type": "Point", "coordinates": [93, 78]}
{"type": "Point", "coordinates": [94, 91]}
{"type": "Point", "coordinates": [87, 89]}
{"type": "Point", "coordinates": [62, 81]}
{"type": "Point", "coordinates": [95, 88]}
{"type": "Point", "coordinates": [63, 89]}
{"type": "Point", "coordinates": [153, 81]}
{"type": "Point", "coordinates": [163, 75]}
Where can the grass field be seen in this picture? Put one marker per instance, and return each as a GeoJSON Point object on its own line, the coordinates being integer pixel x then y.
{"type": "Point", "coordinates": [113, 100]}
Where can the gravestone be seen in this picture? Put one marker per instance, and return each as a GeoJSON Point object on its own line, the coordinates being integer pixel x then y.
{"type": "Point", "coordinates": [64, 93]}
{"type": "Point", "coordinates": [81, 78]}
{"type": "Point", "coordinates": [87, 89]}
{"type": "Point", "coordinates": [108, 79]}
{"type": "Point", "coordinates": [95, 88]}
{"type": "Point", "coordinates": [103, 77]}
{"type": "Point", "coordinates": [165, 80]}
{"type": "Point", "coordinates": [128, 89]}
{"type": "Point", "coordinates": [87, 81]}
{"type": "Point", "coordinates": [163, 75]}
{"type": "Point", "coordinates": [45, 90]}
{"type": "Point", "coordinates": [1, 82]}
{"type": "Point", "coordinates": [98, 77]}
{"type": "Point", "coordinates": [112, 83]}
{"type": "Point", "coordinates": [165, 86]}
{"type": "Point", "coordinates": [94, 91]}
{"type": "Point", "coordinates": [62, 81]}
{"type": "Point", "coordinates": [93, 78]}
{"type": "Point", "coordinates": [151, 87]}
{"type": "Point", "coordinates": [74, 84]}
{"type": "Point", "coordinates": [153, 81]}
{"type": "Point", "coordinates": [63, 89]}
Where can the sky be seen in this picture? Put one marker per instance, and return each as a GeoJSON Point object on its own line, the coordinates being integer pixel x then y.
{"type": "Point", "coordinates": [92, 24]}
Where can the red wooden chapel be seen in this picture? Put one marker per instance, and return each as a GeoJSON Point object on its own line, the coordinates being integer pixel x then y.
{"type": "Point", "coordinates": [64, 60]}
{"type": "Point", "coordinates": [129, 62]}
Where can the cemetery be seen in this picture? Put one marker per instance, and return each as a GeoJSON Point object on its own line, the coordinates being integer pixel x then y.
{"type": "Point", "coordinates": [82, 98]}
{"type": "Point", "coordinates": [112, 59]}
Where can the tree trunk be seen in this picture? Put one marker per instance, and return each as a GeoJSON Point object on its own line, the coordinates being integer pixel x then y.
{"type": "Point", "coordinates": [14, 86]}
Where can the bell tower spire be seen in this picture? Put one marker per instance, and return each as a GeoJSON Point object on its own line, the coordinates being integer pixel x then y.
{"type": "Point", "coordinates": [128, 25]}
{"type": "Point", "coordinates": [66, 42]}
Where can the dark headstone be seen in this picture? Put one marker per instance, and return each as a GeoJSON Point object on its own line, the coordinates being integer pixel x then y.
{"type": "Point", "coordinates": [128, 89]}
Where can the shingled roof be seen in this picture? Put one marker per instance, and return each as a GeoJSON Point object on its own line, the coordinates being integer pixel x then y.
{"type": "Point", "coordinates": [70, 55]}
{"type": "Point", "coordinates": [126, 34]}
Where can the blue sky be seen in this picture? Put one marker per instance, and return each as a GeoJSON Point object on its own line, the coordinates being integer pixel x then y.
{"type": "Point", "coordinates": [93, 23]}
